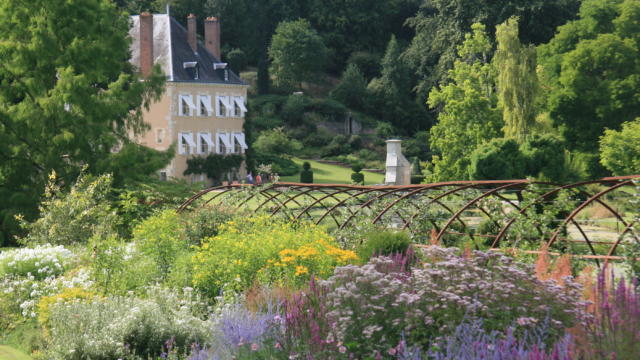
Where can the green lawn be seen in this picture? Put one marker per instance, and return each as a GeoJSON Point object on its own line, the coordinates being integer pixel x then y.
{"type": "Point", "coordinates": [9, 353]}
{"type": "Point", "coordinates": [332, 174]}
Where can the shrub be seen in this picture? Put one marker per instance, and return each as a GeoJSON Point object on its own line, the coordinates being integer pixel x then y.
{"type": "Point", "coordinates": [279, 165]}
{"type": "Point", "coordinates": [620, 150]}
{"type": "Point", "coordinates": [40, 262]}
{"type": "Point", "coordinates": [331, 109]}
{"type": "Point", "coordinates": [68, 295]}
{"type": "Point", "coordinates": [471, 341]}
{"type": "Point", "coordinates": [264, 249]}
{"type": "Point", "coordinates": [294, 108]}
{"type": "Point", "coordinates": [73, 217]}
{"type": "Point", "coordinates": [357, 177]}
{"type": "Point", "coordinates": [118, 268]}
{"type": "Point", "coordinates": [118, 327]}
{"type": "Point", "coordinates": [276, 141]}
{"type": "Point", "coordinates": [205, 222]}
{"type": "Point", "coordinates": [385, 243]}
{"type": "Point", "coordinates": [306, 175]}
{"type": "Point", "coordinates": [430, 302]}
{"type": "Point", "coordinates": [237, 331]}
{"type": "Point", "coordinates": [161, 237]}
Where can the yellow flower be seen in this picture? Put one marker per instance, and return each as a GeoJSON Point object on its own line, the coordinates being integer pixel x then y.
{"type": "Point", "coordinates": [301, 270]}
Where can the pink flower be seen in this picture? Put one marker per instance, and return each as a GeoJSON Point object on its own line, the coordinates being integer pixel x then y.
{"type": "Point", "coordinates": [277, 346]}
{"type": "Point", "coordinates": [342, 349]}
{"type": "Point", "coordinates": [391, 351]}
{"type": "Point", "coordinates": [254, 347]}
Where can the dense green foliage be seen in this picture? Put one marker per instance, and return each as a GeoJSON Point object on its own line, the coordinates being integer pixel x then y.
{"type": "Point", "coordinates": [68, 96]}
{"type": "Point", "coordinates": [441, 25]}
{"type": "Point", "coordinates": [297, 53]}
{"type": "Point", "coordinates": [383, 243]}
{"type": "Point", "coordinates": [590, 71]}
{"type": "Point", "coordinates": [215, 166]}
{"type": "Point", "coordinates": [469, 115]}
{"type": "Point", "coordinates": [620, 150]}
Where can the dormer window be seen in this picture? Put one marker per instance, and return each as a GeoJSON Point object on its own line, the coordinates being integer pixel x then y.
{"type": "Point", "coordinates": [192, 69]}
{"type": "Point", "coordinates": [219, 65]}
{"type": "Point", "coordinates": [204, 105]}
{"type": "Point", "coordinates": [185, 105]}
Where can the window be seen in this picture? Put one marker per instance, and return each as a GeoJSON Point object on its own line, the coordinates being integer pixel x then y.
{"type": "Point", "coordinates": [204, 105]}
{"type": "Point", "coordinates": [191, 67]}
{"type": "Point", "coordinates": [163, 175]}
{"type": "Point", "coordinates": [223, 106]}
{"type": "Point", "coordinates": [239, 108]}
{"type": "Point", "coordinates": [185, 105]}
{"type": "Point", "coordinates": [224, 143]}
{"type": "Point", "coordinates": [205, 144]}
{"type": "Point", "coordinates": [159, 136]}
{"type": "Point", "coordinates": [239, 142]}
{"type": "Point", "coordinates": [186, 145]}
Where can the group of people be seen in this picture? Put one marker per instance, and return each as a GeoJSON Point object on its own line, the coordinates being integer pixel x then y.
{"type": "Point", "coordinates": [258, 179]}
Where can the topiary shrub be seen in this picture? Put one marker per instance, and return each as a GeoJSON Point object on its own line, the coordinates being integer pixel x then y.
{"type": "Point", "coordinates": [357, 177]}
{"type": "Point", "coordinates": [306, 175]}
{"type": "Point", "coordinates": [383, 243]}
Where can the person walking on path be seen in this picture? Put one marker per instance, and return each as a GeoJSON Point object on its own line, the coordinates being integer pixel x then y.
{"type": "Point", "coordinates": [250, 178]}
{"type": "Point", "coordinates": [258, 179]}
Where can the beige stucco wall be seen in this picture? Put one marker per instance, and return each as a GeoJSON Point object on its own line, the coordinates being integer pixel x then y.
{"type": "Point", "coordinates": [163, 115]}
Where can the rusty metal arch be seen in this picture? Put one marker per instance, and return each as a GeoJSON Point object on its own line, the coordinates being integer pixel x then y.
{"type": "Point", "coordinates": [420, 197]}
{"type": "Point", "coordinates": [584, 205]}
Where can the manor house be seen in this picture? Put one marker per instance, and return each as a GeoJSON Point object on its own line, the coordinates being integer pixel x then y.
{"type": "Point", "coordinates": [203, 107]}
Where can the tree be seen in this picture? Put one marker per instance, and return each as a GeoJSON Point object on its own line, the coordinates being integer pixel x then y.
{"type": "Point", "coordinates": [358, 25]}
{"type": "Point", "coordinates": [468, 112]}
{"type": "Point", "coordinates": [620, 150]}
{"type": "Point", "coordinates": [276, 142]}
{"type": "Point", "coordinates": [590, 71]}
{"type": "Point", "coordinates": [352, 89]}
{"type": "Point", "coordinates": [499, 159]}
{"type": "Point", "coordinates": [68, 94]}
{"type": "Point", "coordinates": [297, 53]}
{"type": "Point", "coordinates": [392, 100]}
{"type": "Point", "coordinates": [440, 27]}
{"type": "Point", "coordinates": [517, 81]}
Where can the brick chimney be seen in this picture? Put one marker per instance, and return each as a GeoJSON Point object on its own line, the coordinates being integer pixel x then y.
{"type": "Point", "coordinates": [212, 36]}
{"type": "Point", "coordinates": [146, 43]}
{"type": "Point", "coordinates": [192, 39]}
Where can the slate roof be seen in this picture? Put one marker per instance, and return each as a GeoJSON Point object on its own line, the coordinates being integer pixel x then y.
{"type": "Point", "coordinates": [171, 50]}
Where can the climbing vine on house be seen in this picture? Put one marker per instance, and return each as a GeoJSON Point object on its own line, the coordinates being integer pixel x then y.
{"type": "Point", "coordinates": [213, 165]}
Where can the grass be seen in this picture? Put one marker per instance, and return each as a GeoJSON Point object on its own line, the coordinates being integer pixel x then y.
{"type": "Point", "coordinates": [332, 174]}
{"type": "Point", "coordinates": [9, 353]}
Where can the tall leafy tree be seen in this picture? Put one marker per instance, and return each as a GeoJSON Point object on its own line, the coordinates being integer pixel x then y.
{"type": "Point", "coordinates": [440, 27]}
{"type": "Point", "coordinates": [517, 81]}
{"type": "Point", "coordinates": [591, 71]}
{"type": "Point", "coordinates": [392, 98]}
{"type": "Point", "coordinates": [468, 108]}
{"type": "Point", "coordinates": [68, 94]}
{"type": "Point", "coordinates": [297, 53]}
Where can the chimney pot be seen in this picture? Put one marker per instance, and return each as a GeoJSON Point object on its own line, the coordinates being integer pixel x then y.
{"type": "Point", "coordinates": [192, 39]}
{"type": "Point", "coordinates": [212, 36]}
{"type": "Point", "coordinates": [146, 43]}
